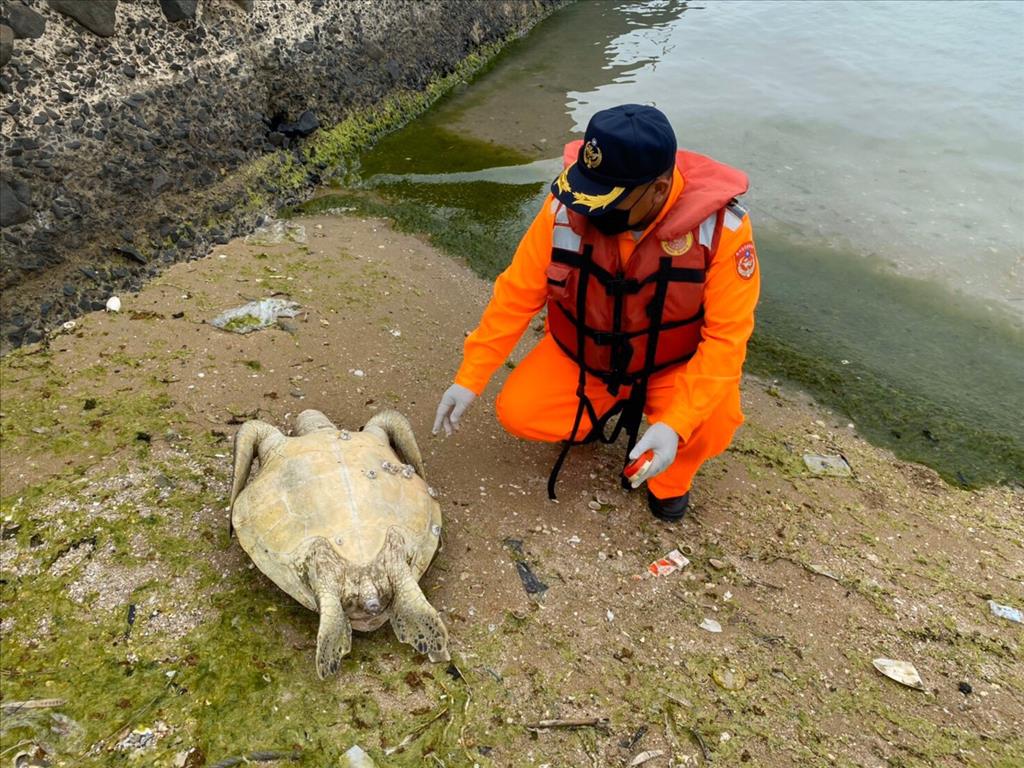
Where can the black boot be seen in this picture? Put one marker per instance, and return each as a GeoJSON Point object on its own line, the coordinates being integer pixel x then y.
{"type": "Point", "coordinates": [672, 509]}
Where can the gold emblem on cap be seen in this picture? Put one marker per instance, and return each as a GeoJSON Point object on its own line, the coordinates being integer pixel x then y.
{"type": "Point", "coordinates": [591, 154]}
{"type": "Point", "coordinates": [563, 181]}
{"type": "Point", "coordinates": [677, 246]}
{"type": "Point", "coordinates": [593, 202]}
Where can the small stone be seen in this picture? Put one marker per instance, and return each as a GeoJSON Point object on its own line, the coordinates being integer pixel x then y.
{"type": "Point", "coordinates": [41, 119]}
{"type": "Point", "coordinates": [161, 181]}
{"type": "Point", "coordinates": [716, 564]}
{"type": "Point", "coordinates": [307, 46]}
{"type": "Point", "coordinates": [6, 44]}
{"type": "Point", "coordinates": [12, 210]}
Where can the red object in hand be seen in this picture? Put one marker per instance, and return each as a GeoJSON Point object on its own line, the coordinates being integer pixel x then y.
{"type": "Point", "coordinates": [638, 466]}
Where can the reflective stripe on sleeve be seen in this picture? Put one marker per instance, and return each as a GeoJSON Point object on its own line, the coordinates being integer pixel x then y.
{"type": "Point", "coordinates": [707, 230]}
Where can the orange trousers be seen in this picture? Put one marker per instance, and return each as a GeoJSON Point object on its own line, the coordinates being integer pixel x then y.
{"type": "Point", "coordinates": [538, 402]}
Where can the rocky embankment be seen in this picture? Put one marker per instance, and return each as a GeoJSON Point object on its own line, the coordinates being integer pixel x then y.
{"type": "Point", "coordinates": [136, 135]}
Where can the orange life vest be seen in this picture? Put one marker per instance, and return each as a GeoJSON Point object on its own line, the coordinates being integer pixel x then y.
{"type": "Point", "coordinates": [624, 323]}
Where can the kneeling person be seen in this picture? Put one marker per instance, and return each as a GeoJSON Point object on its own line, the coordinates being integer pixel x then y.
{"type": "Point", "coordinates": [647, 265]}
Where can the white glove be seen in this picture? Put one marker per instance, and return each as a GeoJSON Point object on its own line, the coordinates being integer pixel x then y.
{"type": "Point", "coordinates": [454, 402]}
{"type": "Point", "coordinates": [663, 440]}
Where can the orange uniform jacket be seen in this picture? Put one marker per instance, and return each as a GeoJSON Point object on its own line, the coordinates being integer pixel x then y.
{"type": "Point", "coordinates": [701, 383]}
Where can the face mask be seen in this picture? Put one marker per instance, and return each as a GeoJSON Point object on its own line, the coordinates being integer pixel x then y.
{"type": "Point", "coordinates": [616, 220]}
{"type": "Point", "coordinates": [612, 222]}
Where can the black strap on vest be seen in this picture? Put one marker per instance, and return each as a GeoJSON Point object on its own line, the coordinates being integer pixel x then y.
{"type": "Point", "coordinates": [629, 410]}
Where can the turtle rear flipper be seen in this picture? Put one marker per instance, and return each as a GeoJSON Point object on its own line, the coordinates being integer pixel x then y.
{"type": "Point", "coordinates": [413, 618]}
{"type": "Point", "coordinates": [334, 638]}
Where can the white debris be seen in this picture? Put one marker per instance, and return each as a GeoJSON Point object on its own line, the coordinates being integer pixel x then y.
{"type": "Point", "coordinates": [711, 625]}
{"type": "Point", "coordinates": [277, 231]}
{"type": "Point", "coordinates": [113, 304]}
{"type": "Point", "coordinates": [834, 465]}
{"type": "Point", "coordinates": [1006, 612]}
{"type": "Point", "coordinates": [356, 757]}
{"type": "Point", "coordinates": [255, 315]}
{"type": "Point", "coordinates": [646, 755]}
{"type": "Point", "coordinates": [902, 672]}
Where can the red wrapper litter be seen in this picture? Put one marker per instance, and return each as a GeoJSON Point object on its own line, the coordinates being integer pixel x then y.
{"type": "Point", "coordinates": [671, 562]}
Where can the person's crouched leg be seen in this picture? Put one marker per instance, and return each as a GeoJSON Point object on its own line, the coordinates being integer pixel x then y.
{"type": "Point", "coordinates": [538, 401]}
{"type": "Point", "coordinates": [668, 494]}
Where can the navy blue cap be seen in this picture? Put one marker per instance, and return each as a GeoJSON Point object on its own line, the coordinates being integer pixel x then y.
{"type": "Point", "coordinates": [623, 147]}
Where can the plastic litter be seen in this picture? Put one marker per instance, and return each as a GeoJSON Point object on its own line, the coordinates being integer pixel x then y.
{"type": "Point", "coordinates": [1006, 612]}
{"type": "Point", "coordinates": [833, 465]}
{"type": "Point", "coordinates": [636, 471]}
{"type": "Point", "coordinates": [356, 757]}
{"type": "Point", "coordinates": [113, 304]}
{"type": "Point", "coordinates": [646, 755]}
{"type": "Point", "coordinates": [277, 231]}
{"type": "Point", "coordinates": [711, 625]}
{"type": "Point", "coordinates": [256, 315]}
{"type": "Point", "coordinates": [535, 588]}
{"type": "Point", "coordinates": [902, 672]}
{"type": "Point", "coordinates": [670, 563]}
{"type": "Point", "coordinates": [729, 678]}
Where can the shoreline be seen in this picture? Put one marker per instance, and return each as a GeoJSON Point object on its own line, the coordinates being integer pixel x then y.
{"type": "Point", "coordinates": [117, 444]}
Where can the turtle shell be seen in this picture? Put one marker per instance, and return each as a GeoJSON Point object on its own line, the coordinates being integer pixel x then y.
{"type": "Point", "coordinates": [347, 488]}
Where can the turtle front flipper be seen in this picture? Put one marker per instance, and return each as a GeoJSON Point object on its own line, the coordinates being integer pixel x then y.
{"type": "Point", "coordinates": [413, 618]}
{"type": "Point", "coordinates": [253, 438]}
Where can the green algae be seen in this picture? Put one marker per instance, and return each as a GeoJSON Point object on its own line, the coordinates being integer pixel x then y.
{"type": "Point", "coordinates": [936, 383]}
{"type": "Point", "coordinates": [232, 685]}
{"type": "Point", "coordinates": [437, 149]}
{"type": "Point", "coordinates": [243, 324]}
{"type": "Point", "coordinates": [72, 421]}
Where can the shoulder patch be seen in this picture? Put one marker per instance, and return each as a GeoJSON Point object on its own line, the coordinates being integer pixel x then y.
{"type": "Point", "coordinates": [746, 260]}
